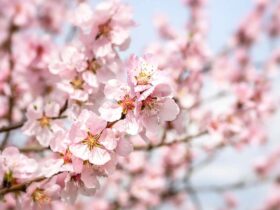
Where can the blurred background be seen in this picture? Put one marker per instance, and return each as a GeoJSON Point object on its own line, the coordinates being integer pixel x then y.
{"type": "Point", "coordinates": [229, 166]}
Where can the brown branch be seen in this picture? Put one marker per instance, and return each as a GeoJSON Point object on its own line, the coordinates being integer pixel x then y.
{"type": "Point", "coordinates": [137, 148]}
{"type": "Point", "coordinates": [20, 124]}
{"type": "Point", "coordinates": [20, 187]}
{"type": "Point", "coordinates": [185, 139]}
{"type": "Point", "coordinates": [33, 149]}
{"type": "Point", "coordinates": [11, 127]}
{"type": "Point", "coordinates": [7, 45]}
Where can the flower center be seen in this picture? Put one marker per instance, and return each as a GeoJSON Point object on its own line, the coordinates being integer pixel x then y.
{"type": "Point", "coordinates": [150, 104]}
{"type": "Point", "coordinates": [104, 29]}
{"type": "Point", "coordinates": [92, 141]}
{"type": "Point", "coordinates": [44, 121]}
{"type": "Point", "coordinates": [146, 71]}
{"type": "Point", "coordinates": [230, 119]}
{"type": "Point", "coordinates": [127, 104]}
{"type": "Point", "coordinates": [39, 196]}
{"type": "Point", "coordinates": [67, 157]}
{"type": "Point", "coordinates": [77, 83]}
{"type": "Point", "coordinates": [143, 77]}
{"type": "Point", "coordinates": [94, 66]}
{"type": "Point", "coordinates": [76, 177]}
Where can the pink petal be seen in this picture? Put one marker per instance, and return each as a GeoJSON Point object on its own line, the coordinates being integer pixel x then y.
{"type": "Point", "coordinates": [90, 79]}
{"type": "Point", "coordinates": [108, 139]}
{"type": "Point", "coordinates": [9, 151]}
{"type": "Point", "coordinates": [76, 134]}
{"type": "Point", "coordinates": [89, 178]}
{"type": "Point", "coordinates": [104, 75]}
{"type": "Point", "coordinates": [102, 47]}
{"type": "Point", "coordinates": [95, 124]}
{"type": "Point", "coordinates": [169, 110]}
{"type": "Point", "coordinates": [44, 137]}
{"type": "Point", "coordinates": [99, 156]}
{"type": "Point", "coordinates": [162, 90]}
{"type": "Point", "coordinates": [77, 164]}
{"type": "Point", "coordinates": [79, 95]}
{"type": "Point", "coordinates": [114, 89]}
{"type": "Point", "coordinates": [81, 151]}
{"type": "Point", "coordinates": [110, 111]}
{"type": "Point", "coordinates": [83, 16]}
{"type": "Point", "coordinates": [52, 109]}
{"type": "Point", "coordinates": [119, 36]}
{"type": "Point", "coordinates": [151, 124]}
{"type": "Point", "coordinates": [70, 192]}
{"type": "Point", "coordinates": [30, 127]}
{"type": "Point", "coordinates": [124, 147]}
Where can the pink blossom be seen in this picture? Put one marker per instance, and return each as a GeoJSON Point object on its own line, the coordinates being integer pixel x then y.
{"type": "Point", "coordinates": [108, 25]}
{"type": "Point", "coordinates": [157, 107]}
{"type": "Point", "coordinates": [16, 167]}
{"type": "Point", "coordinates": [40, 195]}
{"type": "Point", "coordinates": [91, 140]}
{"type": "Point", "coordinates": [42, 121]}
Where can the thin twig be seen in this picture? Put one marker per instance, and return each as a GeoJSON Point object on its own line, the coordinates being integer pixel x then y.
{"type": "Point", "coordinates": [209, 99]}
{"type": "Point", "coordinates": [33, 149]}
{"type": "Point", "coordinates": [8, 46]}
{"type": "Point", "coordinates": [11, 127]}
{"type": "Point", "coordinates": [185, 139]}
{"type": "Point", "coordinates": [239, 185]}
{"type": "Point", "coordinates": [20, 187]}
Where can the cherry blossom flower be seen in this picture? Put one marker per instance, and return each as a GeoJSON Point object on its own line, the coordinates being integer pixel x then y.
{"type": "Point", "coordinates": [91, 140]}
{"type": "Point", "coordinates": [157, 107]}
{"type": "Point", "coordinates": [42, 121]}
{"type": "Point", "coordinates": [16, 167]}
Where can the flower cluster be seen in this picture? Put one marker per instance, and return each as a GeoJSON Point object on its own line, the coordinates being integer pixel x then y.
{"type": "Point", "coordinates": [80, 117]}
{"type": "Point", "coordinates": [96, 100]}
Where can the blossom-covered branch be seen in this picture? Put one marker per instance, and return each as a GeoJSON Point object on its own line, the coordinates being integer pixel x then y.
{"type": "Point", "coordinates": [86, 118]}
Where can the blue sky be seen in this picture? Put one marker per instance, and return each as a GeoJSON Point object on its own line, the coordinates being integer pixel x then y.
{"type": "Point", "coordinates": [224, 16]}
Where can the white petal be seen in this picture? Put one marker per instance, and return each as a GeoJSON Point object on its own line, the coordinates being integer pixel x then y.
{"type": "Point", "coordinates": [80, 151]}
{"type": "Point", "coordinates": [99, 156]}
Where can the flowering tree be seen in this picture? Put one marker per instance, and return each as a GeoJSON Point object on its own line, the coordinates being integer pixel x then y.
{"type": "Point", "coordinates": [86, 127]}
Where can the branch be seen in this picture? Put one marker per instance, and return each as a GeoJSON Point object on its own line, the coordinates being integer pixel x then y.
{"type": "Point", "coordinates": [20, 187]}
{"type": "Point", "coordinates": [185, 139]}
{"type": "Point", "coordinates": [242, 184]}
{"type": "Point", "coordinates": [33, 149]}
{"type": "Point", "coordinates": [24, 185]}
{"type": "Point", "coordinates": [137, 148]}
{"type": "Point", "coordinates": [8, 47]}
{"type": "Point", "coordinates": [20, 124]}
{"type": "Point", "coordinates": [209, 99]}
{"type": "Point", "coordinates": [12, 127]}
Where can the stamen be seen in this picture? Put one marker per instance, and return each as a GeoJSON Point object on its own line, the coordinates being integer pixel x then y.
{"type": "Point", "coordinates": [143, 78]}
{"type": "Point", "coordinates": [94, 66]}
{"type": "Point", "coordinates": [44, 121]}
{"type": "Point", "coordinates": [149, 103]}
{"type": "Point", "coordinates": [39, 196]}
{"type": "Point", "coordinates": [127, 104]}
{"type": "Point", "coordinates": [92, 141]}
{"type": "Point", "coordinates": [67, 157]}
{"type": "Point", "coordinates": [104, 29]}
{"type": "Point", "coordinates": [77, 83]}
{"type": "Point", "coordinates": [146, 72]}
